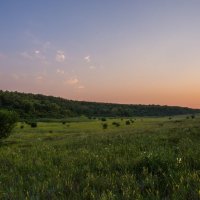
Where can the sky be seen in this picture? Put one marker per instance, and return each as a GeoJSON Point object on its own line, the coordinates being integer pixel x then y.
{"type": "Point", "coordinates": [120, 51]}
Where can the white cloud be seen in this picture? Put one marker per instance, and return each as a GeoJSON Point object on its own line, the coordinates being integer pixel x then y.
{"type": "Point", "coordinates": [26, 55]}
{"type": "Point", "coordinates": [39, 56]}
{"type": "Point", "coordinates": [37, 51]}
{"type": "Point", "coordinates": [39, 78]}
{"type": "Point", "coordinates": [87, 59]}
{"type": "Point", "coordinates": [60, 56]}
{"type": "Point", "coordinates": [35, 55]}
{"type": "Point", "coordinates": [72, 81]}
{"type": "Point", "coordinates": [19, 76]}
{"type": "Point", "coordinates": [81, 87]}
{"type": "Point", "coordinates": [60, 71]}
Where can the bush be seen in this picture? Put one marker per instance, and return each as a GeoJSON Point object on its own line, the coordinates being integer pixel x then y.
{"type": "Point", "coordinates": [103, 119]}
{"type": "Point", "coordinates": [116, 124]}
{"type": "Point", "coordinates": [192, 116]}
{"type": "Point", "coordinates": [105, 126]}
{"type": "Point", "coordinates": [8, 120]}
{"type": "Point", "coordinates": [33, 124]}
{"type": "Point", "coordinates": [128, 122]}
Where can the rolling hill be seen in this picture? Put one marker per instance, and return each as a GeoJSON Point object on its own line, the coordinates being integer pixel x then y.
{"type": "Point", "coordinates": [41, 106]}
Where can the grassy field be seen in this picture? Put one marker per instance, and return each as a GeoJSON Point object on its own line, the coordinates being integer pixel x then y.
{"type": "Point", "coordinates": [152, 158]}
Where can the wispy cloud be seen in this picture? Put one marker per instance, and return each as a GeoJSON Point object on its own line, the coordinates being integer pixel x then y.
{"type": "Point", "coordinates": [92, 67]}
{"type": "Point", "coordinates": [38, 55]}
{"type": "Point", "coordinates": [87, 59]}
{"type": "Point", "coordinates": [81, 87]}
{"type": "Point", "coordinates": [72, 81]}
{"type": "Point", "coordinates": [35, 55]}
{"type": "Point", "coordinates": [27, 55]}
{"type": "Point", "coordinates": [60, 71]}
{"type": "Point", "coordinates": [19, 76]}
{"type": "Point", "coordinates": [32, 38]}
{"type": "Point", "coordinates": [39, 78]}
{"type": "Point", "coordinates": [37, 51]}
{"type": "Point", "coordinates": [15, 76]}
{"type": "Point", "coordinates": [46, 46]}
{"type": "Point", "coordinates": [60, 56]}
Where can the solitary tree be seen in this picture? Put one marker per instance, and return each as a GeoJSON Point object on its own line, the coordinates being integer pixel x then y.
{"type": "Point", "coordinates": [8, 120]}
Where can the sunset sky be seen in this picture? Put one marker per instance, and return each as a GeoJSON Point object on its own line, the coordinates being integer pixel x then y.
{"type": "Point", "coordinates": [121, 51]}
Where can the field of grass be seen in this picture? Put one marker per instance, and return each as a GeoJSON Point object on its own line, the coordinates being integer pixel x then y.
{"type": "Point", "coordinates": [152, 158]}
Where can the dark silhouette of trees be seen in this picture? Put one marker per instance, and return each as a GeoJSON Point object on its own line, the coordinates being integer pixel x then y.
{"type": "Point", "coordinates": [30, 106]}
{"type": "Point", "coordinates": [8, 120]}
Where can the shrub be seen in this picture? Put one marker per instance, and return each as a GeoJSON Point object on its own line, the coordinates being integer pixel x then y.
{"type": "Point", "coordinates": [63, 122]}
{"type": "Point", "coordinates": [116, 124]}
{"type": "Point", "coordinates": [105, 126]}
{"type": "Point", "coordinates": [22, 126]}
{"type": "Point", "coordinates": [128, 122]}
{"type": "Point", "coordinates": [33, 124]}
{"type": "Point", "coordinates": [192, 116]}
{"type": "Point", "coordinates": [8, 120]}
{"type": "Point", "coordinates": [103, 119]}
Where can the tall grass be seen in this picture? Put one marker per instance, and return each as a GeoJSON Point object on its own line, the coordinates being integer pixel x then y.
{"type": "Point", "coordinates": [151, 159]}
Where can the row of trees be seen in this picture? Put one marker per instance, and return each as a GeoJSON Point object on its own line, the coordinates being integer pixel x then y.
{"type": "Point", "coordinates": [7, 122]}
{"type": "Point", "coordinates": [40, 106]}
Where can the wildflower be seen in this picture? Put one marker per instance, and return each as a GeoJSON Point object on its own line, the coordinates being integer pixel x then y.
{"type": "Point", "coordinates": [179, 160]}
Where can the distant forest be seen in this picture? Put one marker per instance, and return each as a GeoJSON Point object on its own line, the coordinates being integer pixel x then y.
{"type": "Point", "coordinates": [41, 106]}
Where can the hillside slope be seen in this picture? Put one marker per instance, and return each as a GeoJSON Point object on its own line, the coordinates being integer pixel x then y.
{"type": "Point", "coordinates": [41, 106]}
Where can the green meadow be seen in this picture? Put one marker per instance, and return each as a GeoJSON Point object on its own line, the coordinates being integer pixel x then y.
{"type": "Point", "coordinates": [147, 158]}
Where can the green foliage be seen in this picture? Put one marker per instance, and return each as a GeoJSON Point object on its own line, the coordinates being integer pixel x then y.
{"type": "Point", "coordinates": [117, 124]}
{"type": "Point", "coordinates": [192, 116]}
{"type": "Point", "coordinates": [105, 125]}
{"type": "Point", "coordinates": [40, 106]}
{"type": "Point", "coordinates": [33, 124]}
{"type": "Point", "coordinates": [8, 120]}
{"type": "Point", "coordinates": [103, 119]}
{"type": "Point", "coordinates": [128, 122]}
{"type": "Point", "coordinates": [144, 161]}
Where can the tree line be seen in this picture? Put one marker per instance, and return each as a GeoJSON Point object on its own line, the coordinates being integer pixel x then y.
{"type": "Point", "coordinates": [41, 106]}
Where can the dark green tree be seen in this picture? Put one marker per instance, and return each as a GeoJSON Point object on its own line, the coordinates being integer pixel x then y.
{"type": "Point", "coordinates": [8, 120]}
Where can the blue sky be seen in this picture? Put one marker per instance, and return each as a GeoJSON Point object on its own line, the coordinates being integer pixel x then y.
{"type": "Point", "coordinates": [135, 51]}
